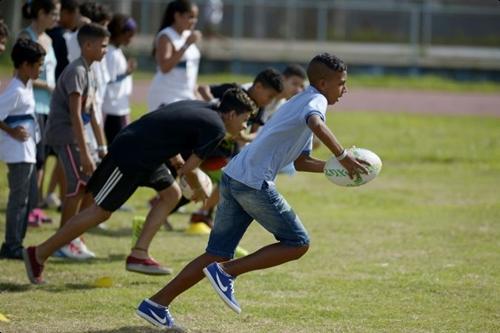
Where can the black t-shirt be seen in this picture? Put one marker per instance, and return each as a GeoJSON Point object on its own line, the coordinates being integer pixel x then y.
{"type": "Point", "coordinates": [60, 48]}
{"type": "Point", "coordinates": [219, 90]}
{"type": "Point", "coordinates": [183, 127]}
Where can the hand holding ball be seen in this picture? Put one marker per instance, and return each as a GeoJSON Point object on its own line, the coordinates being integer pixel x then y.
{"type": "Point", "coordinates": [337, 174]}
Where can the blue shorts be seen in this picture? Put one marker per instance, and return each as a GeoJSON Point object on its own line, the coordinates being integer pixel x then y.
{"type": "Point", "coordinates": [240, 204]}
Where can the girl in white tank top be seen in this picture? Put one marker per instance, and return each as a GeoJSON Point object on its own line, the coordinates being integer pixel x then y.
{"type": "Point", "coordinates": [176, 55]}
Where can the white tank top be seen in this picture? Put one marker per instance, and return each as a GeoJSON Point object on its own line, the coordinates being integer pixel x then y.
{"type": "Point", "coordinates": [179, 83]}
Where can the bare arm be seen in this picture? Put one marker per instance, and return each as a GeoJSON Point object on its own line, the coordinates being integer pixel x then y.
{"type": "Point", "coordinates": [167, 57]}
{"type": "Point", "coordinates": [204, 91]}
{"type": "Point", "coordinates": [75, 110]}
{"type": "Point", "coordinates": [309, 164]}
{"type": "Point", "coordinates": [19, 133]}
{"type": "Point", "coordinates": [99, 134]}
{"type": "Point", "coordinates": [318, 127]}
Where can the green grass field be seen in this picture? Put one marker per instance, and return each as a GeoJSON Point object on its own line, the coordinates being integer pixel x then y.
{"type": "Point", "coordinates": [417, 250]}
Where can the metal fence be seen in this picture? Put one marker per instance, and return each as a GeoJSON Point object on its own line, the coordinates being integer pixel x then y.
{"type": "Point", "coordinates": [425, 22]}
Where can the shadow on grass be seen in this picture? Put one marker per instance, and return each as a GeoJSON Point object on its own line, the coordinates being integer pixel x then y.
{"type": "Point", "coordinates": [110, 258]}
{"type": "Point", "coordinates": [23, 287]}
{"type": "Point", "coordinates": [14, 287]}
{"type": "Point", "coordinates": [136, 329]}
{"type": "Point", "coordinates": [111, 232]}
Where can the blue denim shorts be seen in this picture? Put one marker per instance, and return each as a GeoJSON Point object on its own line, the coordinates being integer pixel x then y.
{"type": "Point", "coordinates": [240, 204]}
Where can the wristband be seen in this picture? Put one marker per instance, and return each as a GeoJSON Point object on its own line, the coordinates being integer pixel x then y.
{"type": "Point", "coordinates": [102, 149]}
{"type": "Point", "coordinates": [342, 155]}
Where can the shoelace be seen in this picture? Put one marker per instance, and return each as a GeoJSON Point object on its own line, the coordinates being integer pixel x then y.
{"type": "Point", "coordinates": [231, 286]}
{"type": "Point", "coordinates": [169, 316]}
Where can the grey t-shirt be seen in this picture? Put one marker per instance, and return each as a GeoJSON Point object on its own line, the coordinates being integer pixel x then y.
{"type": "Point", "coordinates": [76, 78]}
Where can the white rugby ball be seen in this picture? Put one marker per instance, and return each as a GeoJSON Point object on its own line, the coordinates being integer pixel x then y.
{"type": "Point", "coordinates": [205, 181]}
{"type": "Point", "coordinates": [337, 174]}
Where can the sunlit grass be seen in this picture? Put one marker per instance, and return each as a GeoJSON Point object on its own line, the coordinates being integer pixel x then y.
{"type": "Point", "coordinates": [416, 250]}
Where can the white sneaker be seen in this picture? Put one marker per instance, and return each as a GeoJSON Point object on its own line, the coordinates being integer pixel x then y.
{"type": "Point", "coordinates": [83, 248]}
{"type": "Point", "coordinates": [76, 250]}
{"type": "Point", "coordinates": [52, 200]}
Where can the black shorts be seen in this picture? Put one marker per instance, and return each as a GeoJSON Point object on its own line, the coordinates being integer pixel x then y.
{"type": "Point", "coordinates": [111, 188]}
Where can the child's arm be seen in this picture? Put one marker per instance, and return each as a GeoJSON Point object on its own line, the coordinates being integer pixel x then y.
{"type": "Point", "coordinates": [205, 93]}
{"type": "Point", "coordinates": [167, 57]}
{"type": "Point", "coordinates": [318, 127]}
{"type": "Point", "coordinates": [19, 133]}
{"type": "Point", "coordinates": [310, 164]}
{"type": "Point", "coordinates": [75, 110]}
{"type": "Point", "coordinates": [102, 148]}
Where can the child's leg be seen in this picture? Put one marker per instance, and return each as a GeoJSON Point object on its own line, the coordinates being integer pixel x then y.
{"type": "Point", "coordinates": [74, 227]}
{"type": "Point", "coordinates": [169, 198]}
{"type": "Point", "coordinates": [69, 157]}
{"type": "Point", "coordinates": [266, 257]}
{"type": "Point", "coordinates": [271, 210]}
{"type": "Point", "coordinates": [57, 179]}
{"type": "Point", "coordinates": [188, 277]}
{"type": "Point", "coordinates": [41, 155]}
{"type": "Point", "coordinates": [231, 223]}
{"type": "Point", "coordinates": [22, 182]}
{"type": "Point", "coordinates": [71, 206]}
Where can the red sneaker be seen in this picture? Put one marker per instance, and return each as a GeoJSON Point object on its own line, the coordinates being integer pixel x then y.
{"type": "Point", "coordinates": [33, 268]}
{"type": "Point", "coordinates": [202, 217]}
{"type": "Point", "coordinates": [146, 266]}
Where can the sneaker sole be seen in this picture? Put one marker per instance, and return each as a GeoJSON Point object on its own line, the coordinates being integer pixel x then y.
{"type": "Point", "coordinates": [148, 271]}
{"type": "Point", "coordinates": [173, 329]}
{"type": "Point", "coordinates": [220, 293]}
{"type": "Point", "coordinates": [149, 319]}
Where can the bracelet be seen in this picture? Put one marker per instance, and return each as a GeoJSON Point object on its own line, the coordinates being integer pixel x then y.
{"type": "Point", "coordinates": [342, 155]}
{"type": "Point", "coordinates": [103, 149]}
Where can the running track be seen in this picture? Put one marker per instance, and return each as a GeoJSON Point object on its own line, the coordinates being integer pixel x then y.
{"type": "Point", "coordinates": [396, 101]}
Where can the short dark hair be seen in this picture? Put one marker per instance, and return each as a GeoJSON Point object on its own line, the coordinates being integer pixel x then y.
{"type": "Point", "coordinates": [295, 70]}
{"type": "Point", "coordinates": [238, 100]}
{"type": "Point", "coordinates": [96, 12]}
{"type": "Point", "coordinates": [70, 6]}
{"type": "Point", "coordinates": [26, 50]}
{"type": "Point", "coordinates": [316, 68]}
{"type": "Point", "coordinates": [270, 78]}
{"type": "Point", "coordinates": [90, 32]}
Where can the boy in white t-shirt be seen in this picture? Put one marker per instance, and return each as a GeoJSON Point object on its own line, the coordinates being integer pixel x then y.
{"type": "Point", "coordinates": [18, 137]}
{"type": "Point", "coordinates": [248, 193]}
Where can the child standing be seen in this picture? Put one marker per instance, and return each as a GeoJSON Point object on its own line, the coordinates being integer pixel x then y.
{"type": "Point", "coordinates": [72, 108]}
{"type": "Point", "coordinates": [176, 54]}
{"type": "Point", "coordinates": [68, 21]}
{"type": "Point", "coordinates": [44, 15]}
{"type": "Point", "coordinates": [115, 107]}
{"type": "Point", "coordinates": [248, 192]}
{"type": "Point", "coordinates": [18, 137]}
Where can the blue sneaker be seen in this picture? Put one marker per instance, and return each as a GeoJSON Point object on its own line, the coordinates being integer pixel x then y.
{"type": "Point", "coordinates": [223, 284]}
{"type": "Point", "coordinates": [156, 314]}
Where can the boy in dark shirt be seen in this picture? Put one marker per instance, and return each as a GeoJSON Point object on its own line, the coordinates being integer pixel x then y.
{"type": "Point", "coordinates": [137, 158]}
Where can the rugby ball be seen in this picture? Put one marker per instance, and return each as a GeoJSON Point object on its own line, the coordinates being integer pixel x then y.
{"type": "Point", "coordinates": [337, 174]}
{"type": "Point", "coordinates": [204, 180]}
